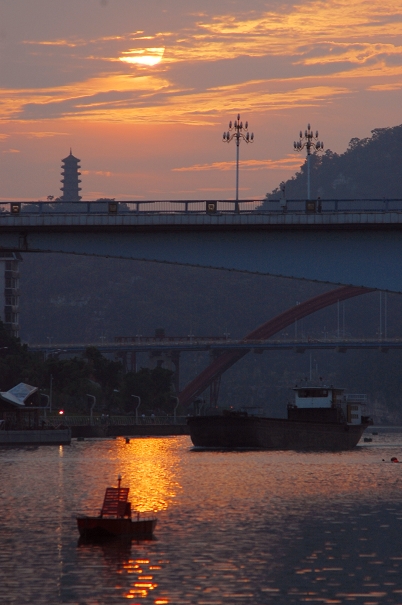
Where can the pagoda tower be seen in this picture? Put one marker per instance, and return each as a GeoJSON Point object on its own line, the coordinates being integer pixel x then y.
{"type": "Point", "coordinates": [70, 179]}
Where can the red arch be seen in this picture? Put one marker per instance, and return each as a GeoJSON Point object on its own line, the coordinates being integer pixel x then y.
{"type": "Point", "coordinates": [194, 388]}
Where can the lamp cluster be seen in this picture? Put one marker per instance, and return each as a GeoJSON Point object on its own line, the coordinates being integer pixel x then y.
{"type": "Point", "coordinates": [309, 141]}
{"type": "Point", "coordinates": [238, 131]}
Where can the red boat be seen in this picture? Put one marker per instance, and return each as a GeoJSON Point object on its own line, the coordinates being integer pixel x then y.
{"type": "Point", "coordinates": [115, 518]}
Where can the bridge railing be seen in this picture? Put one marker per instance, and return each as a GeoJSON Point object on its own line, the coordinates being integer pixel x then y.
{"type": "Point", "coordinates": [258, 206]}
{"type": "Point", "coordinates": [78, 420]}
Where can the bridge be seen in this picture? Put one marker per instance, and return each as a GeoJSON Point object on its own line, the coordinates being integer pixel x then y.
{"type": "Point", "coordinates": [225, 354]}
{"type": "Point", "coordinates": [340, 345]}
{"type": "Point", "coordinates": [211, 375]}
{"type": "Point", "coordinates": [354, 242]}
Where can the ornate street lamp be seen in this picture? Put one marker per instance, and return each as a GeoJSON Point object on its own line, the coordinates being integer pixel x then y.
{"type": "Point", "coordinates": [310, 142]}
{"type": "Point", "coordinates": [237, 131]}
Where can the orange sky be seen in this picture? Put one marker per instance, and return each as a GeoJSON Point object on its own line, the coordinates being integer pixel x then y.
{"type": "Point", "coordinates": [142, 91]}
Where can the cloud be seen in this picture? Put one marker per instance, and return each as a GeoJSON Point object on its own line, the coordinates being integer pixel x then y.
{"type": "Point", "coordinates": [41, 134]}
{"type": "Point", "coordinates": [290, 163]}
{"type": "Point", "coordinates": [106, 173]}
{"type": "Point", "coordinates": [268, 58]}
{"type": "Point", "coordinates": [386, 87]}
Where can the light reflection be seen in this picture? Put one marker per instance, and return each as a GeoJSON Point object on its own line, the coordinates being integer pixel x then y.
{"type": "Point", "coordinates": [149, 467]}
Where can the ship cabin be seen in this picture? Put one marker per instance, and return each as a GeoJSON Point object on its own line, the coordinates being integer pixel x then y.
{"type": "Point", "coordinates": [327, 404]}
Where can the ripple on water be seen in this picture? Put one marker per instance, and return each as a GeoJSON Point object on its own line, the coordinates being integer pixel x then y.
{"type": "Point", "coordinates": [240, 527]}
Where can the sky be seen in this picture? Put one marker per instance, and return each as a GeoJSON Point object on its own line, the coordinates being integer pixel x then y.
{"type": "Point", "coordinates": [142, 91]}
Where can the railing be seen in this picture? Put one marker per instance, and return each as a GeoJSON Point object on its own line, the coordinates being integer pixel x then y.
{"type": "Point", "coordinates": [121, 340]}
{"type": "Point", "coordinates": [145, 344]}
{"type": "Point", "coordinates": [258, 206]}
{"type": "Point", "coordinates": [115, 420]}
{"type": "Point", "coordinates": [356, 397]}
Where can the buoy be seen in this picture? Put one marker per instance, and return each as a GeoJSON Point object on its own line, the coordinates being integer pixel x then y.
{"type": "Point", "coordinates": [394, 459]}
{"type": "Point", "coordinates": [127, 440]}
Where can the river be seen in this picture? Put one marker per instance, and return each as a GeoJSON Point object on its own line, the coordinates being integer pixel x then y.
{"type": "Point", "coordinates": [251, 528]}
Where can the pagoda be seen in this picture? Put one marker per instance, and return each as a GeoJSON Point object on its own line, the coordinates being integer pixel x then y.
{"type": "Point", "coordinates": [70, 174]}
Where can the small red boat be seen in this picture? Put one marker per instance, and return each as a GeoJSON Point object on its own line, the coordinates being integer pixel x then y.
{"type": "Point", "coordinates": [115, 518]}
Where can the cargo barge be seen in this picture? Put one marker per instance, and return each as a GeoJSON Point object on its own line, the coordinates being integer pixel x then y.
{"type": "Point", "coordinates": [321, 418]}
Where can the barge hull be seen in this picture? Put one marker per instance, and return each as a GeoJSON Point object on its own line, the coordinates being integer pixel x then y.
{"type": "Point", "coordinates": [228, 432]}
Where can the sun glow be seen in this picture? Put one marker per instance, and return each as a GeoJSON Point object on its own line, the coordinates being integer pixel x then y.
{"type": "Point", "coordinates": [145, 56]}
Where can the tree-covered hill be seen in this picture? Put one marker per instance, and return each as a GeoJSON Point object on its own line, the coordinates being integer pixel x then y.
{"type": "Point", "coordinates": [369, 168]}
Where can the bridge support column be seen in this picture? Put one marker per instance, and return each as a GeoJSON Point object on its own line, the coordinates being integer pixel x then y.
{"type": "Point", "coordinates": [214, 392]}
{"type": "Point", "coordinates": [175, 357]}
{"type": "Point", "coordinates": [132, 361]}
{"type": "Point", "coordinates": [215, 385]}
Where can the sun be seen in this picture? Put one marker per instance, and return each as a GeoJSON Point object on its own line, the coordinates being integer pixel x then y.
{"type": "Point", "coordinates": [144, 56]}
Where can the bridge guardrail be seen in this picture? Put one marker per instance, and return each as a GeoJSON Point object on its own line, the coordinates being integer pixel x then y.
{"type": "Point", "coordinates": [120, 348]}
{"type": "Point", "coordinates": [259, 206]}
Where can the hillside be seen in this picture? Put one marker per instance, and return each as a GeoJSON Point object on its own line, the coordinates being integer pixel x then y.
{"type": "Point", "coordinates": [369, 168]}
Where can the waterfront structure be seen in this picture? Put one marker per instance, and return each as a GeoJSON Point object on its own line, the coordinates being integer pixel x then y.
{"type": "Point", "coordinates": [10, 291]}
{"type": "Point", "coordinates": [70, 179]}
{"type": "Point", "coordinates": [21, 421]}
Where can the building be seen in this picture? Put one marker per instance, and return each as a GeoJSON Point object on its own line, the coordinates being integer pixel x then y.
{"type": "Point", "coordinates": [70, 180]}
{"type": "Point", "coordinates": [10, 291]}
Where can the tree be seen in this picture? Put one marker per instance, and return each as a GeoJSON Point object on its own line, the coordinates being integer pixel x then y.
{"type": "Point", "coordinates": [154, 387]}
{"type": "Point", "coordinates": [102, 370]}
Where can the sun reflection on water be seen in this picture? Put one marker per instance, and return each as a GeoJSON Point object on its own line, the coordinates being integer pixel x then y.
{"type": "Point", "coordinates": [150, 468]}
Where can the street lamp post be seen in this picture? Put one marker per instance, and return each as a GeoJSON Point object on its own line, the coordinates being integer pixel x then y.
{"type": "Point", "coordinates": [310, 142]}
{"type": "Point", "coordinates": [237, 131]}
{"type": "Point", "coordinates": [50, 393]}
{"type": "Point", "coordinates": [47, 404]}
{"type": "Point", "coordinates": [136, 409]}
{"type": "Point", "coordinates": [176, 399]}
{"type": "Point", "coordinates": [92, 407]}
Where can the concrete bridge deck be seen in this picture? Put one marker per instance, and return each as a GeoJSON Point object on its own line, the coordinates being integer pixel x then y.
{"type": "Point", "coordinates": [36, 217]}
{"type": "Point", "coordinates": [351, 242]}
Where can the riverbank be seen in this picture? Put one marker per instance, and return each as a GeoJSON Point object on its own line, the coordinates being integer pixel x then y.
{"type": "Point", "coordinates": [128, 430]}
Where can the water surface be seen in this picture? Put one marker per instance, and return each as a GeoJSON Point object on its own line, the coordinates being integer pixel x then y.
{"type": "Point", "coordinates": [238, 527]}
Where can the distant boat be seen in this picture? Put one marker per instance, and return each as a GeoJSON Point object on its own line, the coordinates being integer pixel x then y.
{"type": "Point", "coordinates": [321, 418]}
{"type": "Point", "coordinates": [115, 518]}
